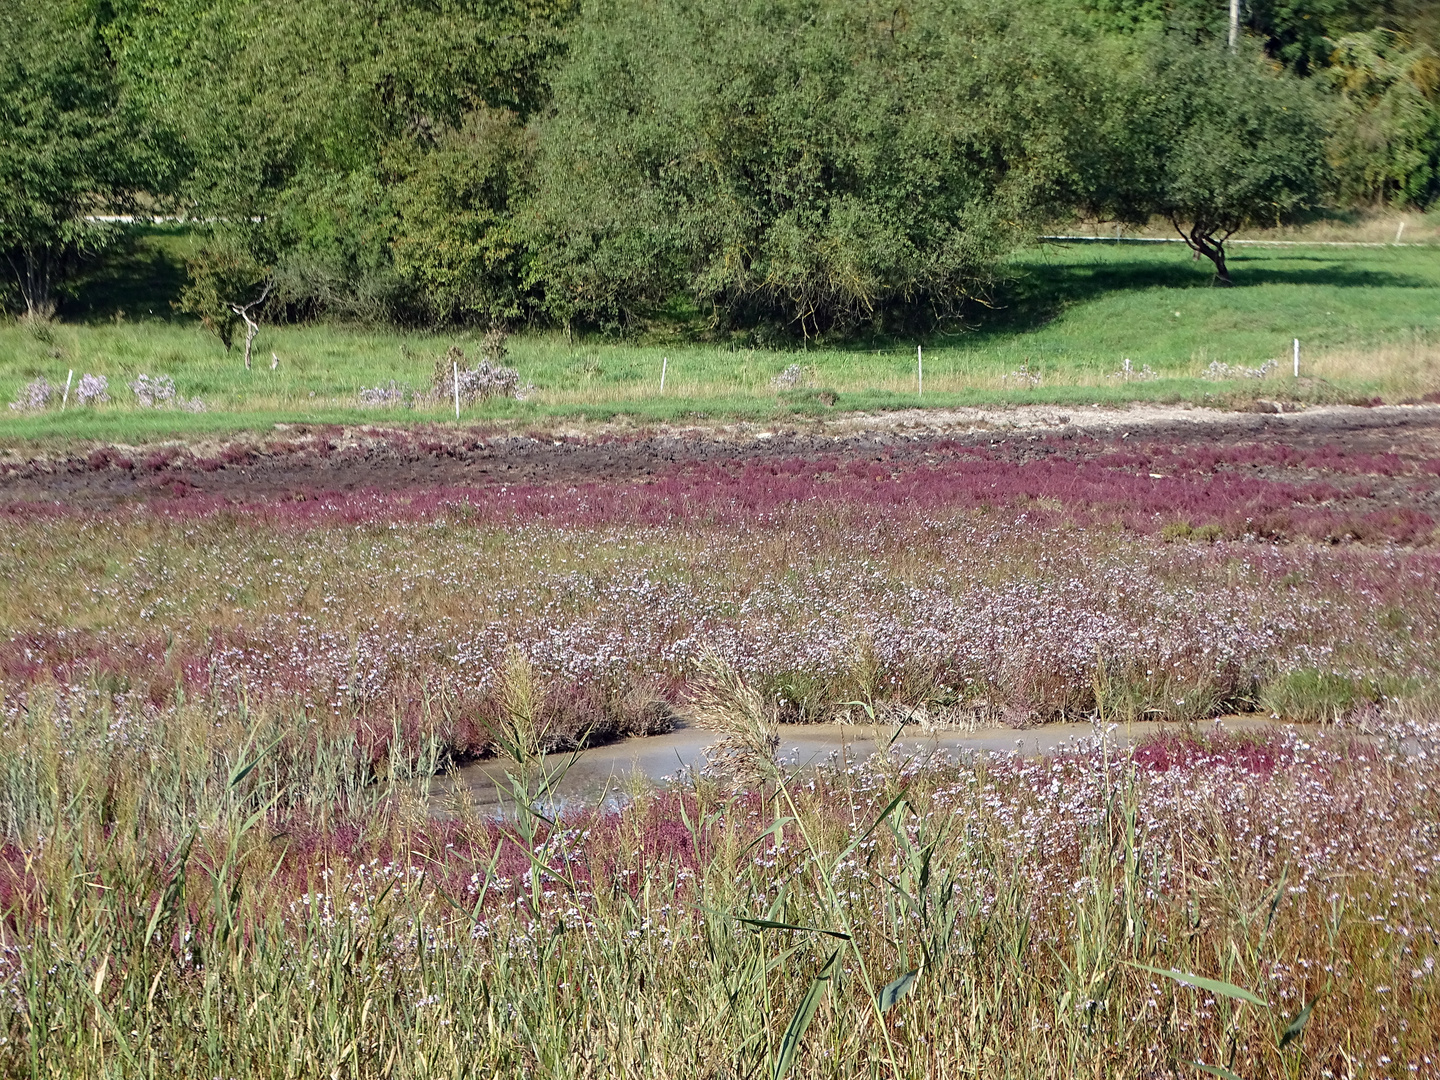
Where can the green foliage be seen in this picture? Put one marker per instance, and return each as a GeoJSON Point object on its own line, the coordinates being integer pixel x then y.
{"type": "Point", "coordinates": [456, 240]}
{"type": "Point", "coordinates": [1312, 696]}
{"type": "Point", "coordinates": [810, 163]}
{"type": "Point", "coordinates": [1388, 148]}
{"type": "Point", "coordinates": [221, 276]}
{"type": "Point", "coordinates": [1071, 312]}
{"type": "Point", "coordinates": [772, 170]}
{"type": "Point", "coordinates": [68, 145]}
{"type": "Point", "coordinates": [310, 130]}
{"type": "Point", "coordinates": [1214, 141]}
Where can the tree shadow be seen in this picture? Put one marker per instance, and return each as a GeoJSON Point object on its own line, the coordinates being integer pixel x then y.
{"type": "Point", "coordinates": [1037, 293]}
{"type": "Point", "coordinates": [133, 277]}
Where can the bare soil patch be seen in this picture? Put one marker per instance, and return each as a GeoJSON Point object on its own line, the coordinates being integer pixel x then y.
{"type": "Point", "coordinates": [296, 461]}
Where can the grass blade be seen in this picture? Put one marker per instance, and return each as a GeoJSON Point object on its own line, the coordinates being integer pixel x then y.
{"type": "Point", "coordinates": [1215, 1070]}
{"type": "Point", "coordinates": [790, 1043]}
{"type": "Point", "coordinates": [1297, 1024]}
{"type": "Point", "coordinates": [771, 924]}
{"type": "Point", "coordinates": [1215, 986]}
{"type": "Point", "coordinates": [893, 992]}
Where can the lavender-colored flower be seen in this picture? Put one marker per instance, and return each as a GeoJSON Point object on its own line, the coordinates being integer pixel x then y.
{"type": "Point", "coordinates": [92, 389]}
{"type": "Point", "coordinates": [487, 381]}
{"type": "Point", "coordinates": [153, 390]}
{"type": "Point", "coordinates": [789, 379]}
{"type": "Point", "coordinates": [36, 395]}
{"type": "Point", "coordinates": [382, 396]}
{"type": "Point", "coordinates": [1218, 370]}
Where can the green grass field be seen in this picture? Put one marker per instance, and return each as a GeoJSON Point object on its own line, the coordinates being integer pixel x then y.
{"type": "Point", "coordinates": [1072, 313]}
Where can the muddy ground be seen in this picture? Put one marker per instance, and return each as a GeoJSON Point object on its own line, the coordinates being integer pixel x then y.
{"type": "Point", "coordinates": [296, 460]}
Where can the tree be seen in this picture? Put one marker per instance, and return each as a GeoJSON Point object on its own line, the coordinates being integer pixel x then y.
{"type": "Point", "coordinates": [68, 145]}
{"type": "Point", "coordinates": [456, 237]}
{"type": "Point", "coordinates": [310, 130]}
{"type": "Point", "coordinates": [810, 163]}
{"type": "Point", "coordinates": [1212, 141]}
{"type": "Point", "coordinates": [1388, 148]}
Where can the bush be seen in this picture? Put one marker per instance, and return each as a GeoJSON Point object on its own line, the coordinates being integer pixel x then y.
{"type": "Point", "coordinates": [1313, 696]}
{"type": "Point", "coordinates": [457, 243]}
{"type": "Point", "coordinates": [92, 389]}
{"type": "Point", "coordinates": [810, 164]}
{"type": "Point", "coordinates": [1386, 145]}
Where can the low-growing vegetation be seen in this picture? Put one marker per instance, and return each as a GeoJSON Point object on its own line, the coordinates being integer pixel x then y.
{"type": "Point", "coordinates": [223, 851]}
{"type": "Point", "coordinates": [1077, 324]}
{"type": "Point", "coordinates": [957, 577]}
{"type": "Point", "coordinates": [229, 895]}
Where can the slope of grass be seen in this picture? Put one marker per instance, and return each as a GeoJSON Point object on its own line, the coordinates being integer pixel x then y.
{"type": "Point", "coordinates": [1368, 319]}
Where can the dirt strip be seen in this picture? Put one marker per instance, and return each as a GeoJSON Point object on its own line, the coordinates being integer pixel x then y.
{"type": "Point", "coordinates": [296, 458]}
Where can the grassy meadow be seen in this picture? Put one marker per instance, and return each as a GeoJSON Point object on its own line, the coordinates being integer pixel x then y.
{"type": "Point", "coordinates": [1066, 322]}
{"type": "Point", "coordinates": [231, 844]}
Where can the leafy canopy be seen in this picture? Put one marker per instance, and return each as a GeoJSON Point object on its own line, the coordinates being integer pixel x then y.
{"type": "Point", "coordinates": [1213, 141]}
{"type": "Point", "coordinates": [815, 163]}
{"type": "Point", "coordinates": [69, 144]}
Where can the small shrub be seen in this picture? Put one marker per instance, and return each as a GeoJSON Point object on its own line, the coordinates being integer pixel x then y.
{"type": "Point", "coordinates": [152, 391]}
{"type": "Point", "coordinates": [642, 710]}
{"type": "Point", "coordinates": [1313, 696]}
{"type": "Point", "coordinates": [36, 396]}
{"type": "Point", "coordinates": [475, 384]}
{"type": "Point", "coordinates": [721, 699]}
{"type": "Point", "coordinates": [492, 346]}
{"type": "Point", "coordinates": [1023, 377]}
{"type": "Point", "coordinates": [1127, 373]}
{"type": "Point", "coordinates": [792, 377]}
{"type": "Point", "coordinates": [1218, 371]}
{"type": "Point", "coordinates": [92, 389]}
{"type": "Point", "coordinates": [383, 397]}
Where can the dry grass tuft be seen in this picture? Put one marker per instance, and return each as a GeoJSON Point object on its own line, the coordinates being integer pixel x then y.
{"type": "Point", "coordinates": [721, 699]}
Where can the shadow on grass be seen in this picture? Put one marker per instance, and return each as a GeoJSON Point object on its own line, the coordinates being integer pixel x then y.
{"type": "Point", "coordinates": [136, 277]}
{"type": "Point", "coordinates": [1040, 292]}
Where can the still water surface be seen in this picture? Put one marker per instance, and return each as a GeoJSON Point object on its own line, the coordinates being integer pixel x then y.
{"type": "Point", "coordinates": [605, 773]}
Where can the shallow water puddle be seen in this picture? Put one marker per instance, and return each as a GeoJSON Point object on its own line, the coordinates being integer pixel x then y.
{"type": "Point", "coordinates": [603, 773]}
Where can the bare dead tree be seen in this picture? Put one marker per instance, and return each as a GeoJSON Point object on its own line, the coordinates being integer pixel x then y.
{"type": "Point", "coordinates": [252, 327]}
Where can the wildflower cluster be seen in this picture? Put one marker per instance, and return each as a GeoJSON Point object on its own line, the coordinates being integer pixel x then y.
{"type": "Point", "coordinates": [387, 395]}
{"type": "Point", "coordinates": [1127, 373]}
{"type": "Point", "coordinates": [1218, 370]}
{"type": "Point", "coordinates": [789, 379]}
{"type": "Point", "coordinates": [92, 389]}
{"type": "Point", "coordinates": [36, 395]}
{"type": "Point", "coordinates": [157, 391]}
{"type": "Point", "coordinates": [474, 384]}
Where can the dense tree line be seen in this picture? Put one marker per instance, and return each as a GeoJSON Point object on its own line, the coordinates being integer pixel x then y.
{"type": "Point", "coordinates": [805, 166]}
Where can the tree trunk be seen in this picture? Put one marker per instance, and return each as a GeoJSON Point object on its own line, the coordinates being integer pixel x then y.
{"type": "Point", "coordinates": [252, 327]}
{"type": "Point", "coordinates": [1204, 242]}
{"type": "Point", "coordinates": [1215, 252]}
{"type": "Point", "coordinates": [32, 274]}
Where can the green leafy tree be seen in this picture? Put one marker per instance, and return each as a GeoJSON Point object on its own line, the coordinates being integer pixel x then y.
{"type": "Point", "coordinates": [456, 239]}
{"type": "Point", "coordinates": [68, 145]}
{"type": "Point", "coordinates": [1212, 141]}
{"type": "Point", "coordinates": [309, 125]}
{"type": "Point", "coordinates": [812, 163]}
{"type": "Point", "coordinates": [1388, 146]}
